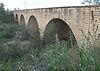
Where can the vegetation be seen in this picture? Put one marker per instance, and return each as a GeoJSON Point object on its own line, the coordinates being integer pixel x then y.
{"type": "Point", "coordinates": [19, 53]}
{"type": "Point", "coordinates": [95, 2]}
{"type": "Point", "coordinates": [6, 16]}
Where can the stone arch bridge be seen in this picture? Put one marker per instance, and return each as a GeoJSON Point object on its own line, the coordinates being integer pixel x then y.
{"type": "Point", "coordinates": [72, 22]}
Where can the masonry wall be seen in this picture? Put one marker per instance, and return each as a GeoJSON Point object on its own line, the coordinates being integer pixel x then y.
{"type": "Point", "coordinates": [79, 18]}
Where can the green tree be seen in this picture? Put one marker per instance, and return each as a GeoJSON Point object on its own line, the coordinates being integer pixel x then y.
{"type": "Point", "coordinates": [6, 16]}
{"type": "Point", "coordinates": [2, 12]}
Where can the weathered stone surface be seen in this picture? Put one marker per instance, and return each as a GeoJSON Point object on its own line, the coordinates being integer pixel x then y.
{"type": "Point", "coordinates": [76, 17]}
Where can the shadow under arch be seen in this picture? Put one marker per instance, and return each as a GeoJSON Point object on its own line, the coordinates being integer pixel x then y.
{"type": "Point", "coordinates": [22, 20]}
{"type": "Point", "coordinates": [33, 24]}
{"type": "Point", "coordinates": [60, 28]}
{"type": "Point", "coordinates": [33, 29]}
{"type": "Point", "coordinates": [16, 18]}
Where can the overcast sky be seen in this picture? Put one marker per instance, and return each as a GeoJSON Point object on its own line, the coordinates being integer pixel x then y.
{"type": "Point", "coordinates": [28, 4]}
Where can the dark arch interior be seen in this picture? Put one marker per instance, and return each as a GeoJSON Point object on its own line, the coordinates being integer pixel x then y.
{"type": "Point", "coordinates": [32, 24]}
{"type": "Point", "coordinates": [33, 28]}
{"type": "Point", "coordinates": [22, 20]}
{"type": "Point", "coordinates": [16, 18]}
{"type": "Point", "coordinates": [61, 29]}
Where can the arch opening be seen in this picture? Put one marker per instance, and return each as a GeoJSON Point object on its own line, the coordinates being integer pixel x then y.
{"type": "Point", "coordinates": [22, 21]}
{"type": "Point", "coordinates": [33, 28]}
{"type": "Point", "coordinates": [32, 24]}
{"type": "Point", "coordinates": [16, 18]}
{"type": "Point", "coordinates": [58, 29]}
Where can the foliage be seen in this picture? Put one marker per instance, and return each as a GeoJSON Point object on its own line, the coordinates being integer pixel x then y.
{"type": "Point", "coordinates": [17, 53]}
{"type": "Point", "coordinates": [58, 57]}
{"type": "Point", "coordinates": [5, 16]}
{"type": "Point", "coordinates": [2, 11]}
{"type": "Point", "coordinates": [95, 2]}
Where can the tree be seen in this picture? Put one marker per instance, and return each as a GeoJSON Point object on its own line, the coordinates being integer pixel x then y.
{"type": "Point", "coordinates": [94, 2]}
{"type": "Point", "coordinates": [2, 11]}
{"type": "Point", "coordinates": [6, 16]}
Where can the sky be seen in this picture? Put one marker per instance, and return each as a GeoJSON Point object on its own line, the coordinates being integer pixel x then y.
{"type": "Point", "coordinates": [30, 4]}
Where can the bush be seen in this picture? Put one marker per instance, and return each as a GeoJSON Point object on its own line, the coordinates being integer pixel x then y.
{"type": "Point", "coordinates": [58, 57]}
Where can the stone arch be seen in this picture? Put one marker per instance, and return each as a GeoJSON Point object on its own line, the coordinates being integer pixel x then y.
{"type": "Point", "coordinates": [16, 18]}
{"type": "Point", "coordinates": [60, 28]}
{"type": "Point", "coordinates": [32, 24]}
{"type": "Point", "coordinates": [22, 20]}
{"type": "Point", "coordinates": [33, 28]}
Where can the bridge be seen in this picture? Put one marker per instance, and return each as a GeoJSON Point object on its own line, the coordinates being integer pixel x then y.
{"type": "Point", "coordinates": [72, 22]}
